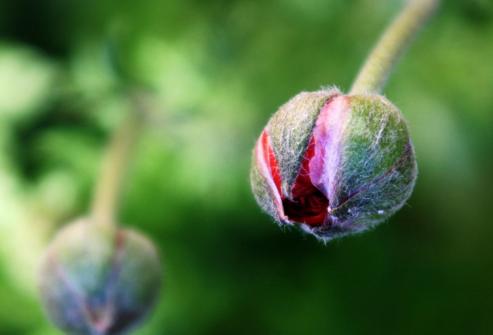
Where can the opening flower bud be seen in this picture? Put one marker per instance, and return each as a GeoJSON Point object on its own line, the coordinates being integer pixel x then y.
{"type": "Point", "coordinates": [334, 164]}
{"type": "Point", "coordinates": [97, 280]}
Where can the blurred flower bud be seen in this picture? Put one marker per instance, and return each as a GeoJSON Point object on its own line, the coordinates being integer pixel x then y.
{"type": "Point", "coordinates": [334, 164]}
{"type": "Point", "coordinates": [97, 280]}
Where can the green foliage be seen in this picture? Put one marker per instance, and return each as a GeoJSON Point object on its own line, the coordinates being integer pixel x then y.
{"type": "Point", "coordinates": [217, 70]}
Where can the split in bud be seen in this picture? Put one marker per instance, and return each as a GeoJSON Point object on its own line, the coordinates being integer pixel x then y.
{"type": "Point", "coordinates": [98, 280]}
{"type": "Point", "coordinates": [334, 164]}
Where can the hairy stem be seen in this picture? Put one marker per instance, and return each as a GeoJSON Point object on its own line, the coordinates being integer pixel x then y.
{"type": "Point", "coordinates": [115, 164]}
{"type": "Point", "coordinates": [380, 62]}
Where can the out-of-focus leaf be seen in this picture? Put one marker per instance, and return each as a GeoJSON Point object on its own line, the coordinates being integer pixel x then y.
{"type": "Point", "coordinates": [26, 82]}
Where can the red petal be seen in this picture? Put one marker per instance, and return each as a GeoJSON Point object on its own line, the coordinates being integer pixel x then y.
{"type": "Point", "coordinates": [307, 205]}
{"type": "Point", "coordinates": [269, 169]}
{"type": "Point", "coordinates": [270, 160]}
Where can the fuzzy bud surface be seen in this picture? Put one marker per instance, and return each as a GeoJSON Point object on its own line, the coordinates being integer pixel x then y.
{"type": "Point", "coordinates": [333, 164]}
{"type": "Point", "coordinates": [99, 280]}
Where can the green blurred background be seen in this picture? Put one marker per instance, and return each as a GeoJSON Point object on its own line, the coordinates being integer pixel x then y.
{"type": "Point", "coordinates": [216, 71]}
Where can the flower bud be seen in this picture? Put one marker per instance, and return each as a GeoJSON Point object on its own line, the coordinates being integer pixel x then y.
{"type": "Point", "coordinates": [334, 164]}
{"type": "Point", "coordinates": [97, 280]}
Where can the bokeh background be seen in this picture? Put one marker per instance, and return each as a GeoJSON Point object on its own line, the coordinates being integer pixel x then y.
{"type": "Point", "coordinates": [216, 70]}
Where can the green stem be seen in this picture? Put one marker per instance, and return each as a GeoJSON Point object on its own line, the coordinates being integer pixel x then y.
{"type": "Point", "coordinates": [115, 164]}
{"type": "Point", "coordinates": [380, 62]}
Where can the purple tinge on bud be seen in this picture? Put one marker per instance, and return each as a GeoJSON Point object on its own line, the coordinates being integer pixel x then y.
{"type": "Point", "coordinates": [334, 164]}
{"type": "Point", "coordinates": [97, 281]}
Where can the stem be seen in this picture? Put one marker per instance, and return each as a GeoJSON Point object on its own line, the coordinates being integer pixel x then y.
{"type": "Point", "coordinates": [115, 164]}
{"type": "Point", "coordinates": [380, 62]}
